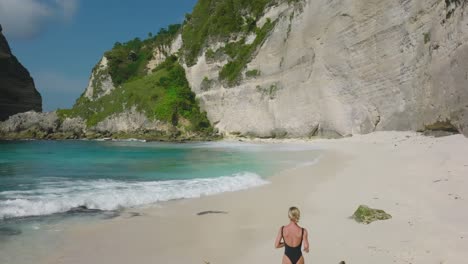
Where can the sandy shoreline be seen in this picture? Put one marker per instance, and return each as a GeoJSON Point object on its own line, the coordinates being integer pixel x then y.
{"type": "Point", "coordinates": [421, 181]}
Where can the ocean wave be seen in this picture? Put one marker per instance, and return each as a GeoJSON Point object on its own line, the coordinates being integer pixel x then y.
{"type": "Point", "coordinates": [58, 197]}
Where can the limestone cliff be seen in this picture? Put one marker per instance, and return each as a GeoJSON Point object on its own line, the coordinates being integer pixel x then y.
{"type": "Point", "coordinates": [17, 91]}
{"type": "Point", "coordinates": [342, 67]}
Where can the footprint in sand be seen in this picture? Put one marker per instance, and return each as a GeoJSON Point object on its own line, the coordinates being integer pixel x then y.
{"type": "Point", "coordinates": [454, 196]}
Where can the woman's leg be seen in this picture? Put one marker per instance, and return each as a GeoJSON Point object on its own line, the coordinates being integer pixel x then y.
{"type": "Point", "coordinates": [301, 260]}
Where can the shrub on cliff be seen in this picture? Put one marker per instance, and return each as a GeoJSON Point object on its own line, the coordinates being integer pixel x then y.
{"type": "Point", "coordinates": [241, 54]}
{"type": "Point", "coordinates": [128, 60]}
{"type": "Point", "coordinates": [218, 20]}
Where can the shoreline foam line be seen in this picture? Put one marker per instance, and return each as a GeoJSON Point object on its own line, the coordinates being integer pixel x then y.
{"type": "Point", "coordinates": [111, 195]}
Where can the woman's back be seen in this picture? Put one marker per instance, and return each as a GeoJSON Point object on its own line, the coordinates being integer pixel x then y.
{"type": "Point", "coordinates": [292, 235]}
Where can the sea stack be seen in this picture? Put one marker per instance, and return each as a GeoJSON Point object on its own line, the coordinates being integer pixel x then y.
{"type": "Point", "coordinates": [17, 91]}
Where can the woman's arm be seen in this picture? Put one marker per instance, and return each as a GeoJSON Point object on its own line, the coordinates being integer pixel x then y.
{"type": "Point", "coordinates": [278, 243]}
{"type": "Point", "coordinates": [306, 241]}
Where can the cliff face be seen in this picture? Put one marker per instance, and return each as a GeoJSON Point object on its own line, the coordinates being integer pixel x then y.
{"type": "Point", "coordinates": [342, 67]}
{"type": "Point", "coordinates": [17, 91]}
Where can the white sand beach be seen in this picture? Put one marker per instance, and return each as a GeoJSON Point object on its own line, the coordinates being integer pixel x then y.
{"type": "Point", "coordinates": [421, 181]}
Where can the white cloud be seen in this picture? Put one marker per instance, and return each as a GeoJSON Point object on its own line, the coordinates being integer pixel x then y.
{"type": "Point", "coordinates": [27, 18]}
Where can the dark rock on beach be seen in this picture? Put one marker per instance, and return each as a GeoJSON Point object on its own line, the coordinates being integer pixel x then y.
{"type": "Point", "coordinates": [211, 212]}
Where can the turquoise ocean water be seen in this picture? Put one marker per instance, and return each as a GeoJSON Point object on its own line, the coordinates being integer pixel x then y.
{"type": "Point", "coordinates": [44, 181]}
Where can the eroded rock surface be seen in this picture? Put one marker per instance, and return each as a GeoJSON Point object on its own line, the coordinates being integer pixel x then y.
{"type": "Point", "coordinates": [129, 121]}
{"type": "Point", "coordinates": [100, 82]}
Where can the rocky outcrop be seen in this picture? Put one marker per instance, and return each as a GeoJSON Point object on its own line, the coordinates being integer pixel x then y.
{"type": "Point", "coordinates": [100, 82]}
{"type": "Point", "coordinates": [128, 124]}
{"type": "Point", "coordinates": [161, 52]}
{"type": "Point", "coordinates": [75, 126]}
{"type": "Point", "coordinates": [336, 68]}
{"type": "Point", "coordinates": [34, 125]}
{"type": "Point", "coordinates": [30, 124]}
{"type": "Point", "coordinates": [17, 91]}
{"type": "Point", "coordinates": [48, 121]}
{"type": "Point", "coordinates": [129, 121]}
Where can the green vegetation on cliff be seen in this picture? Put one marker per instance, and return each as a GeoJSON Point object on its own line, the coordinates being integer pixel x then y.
{"type": "Point", "coordinates": [214, 20]}
{"type": "Point", "coordinates": [226, 21]}
{"type": "Point", "coordinates": [129, 60]}
{"type": "Point", "coordinates": [164, 95]}
{"type": "Point", "coordinates": [241, 54]}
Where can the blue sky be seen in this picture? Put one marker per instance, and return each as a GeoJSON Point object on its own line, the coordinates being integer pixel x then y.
{"type": "Point", "coordinates": [60, 41]}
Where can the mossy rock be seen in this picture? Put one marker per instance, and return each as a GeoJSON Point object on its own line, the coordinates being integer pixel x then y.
{"type": "Point", "coordinates": [367, 215]}
{"type": "Point", "coordinates": [445, 125]}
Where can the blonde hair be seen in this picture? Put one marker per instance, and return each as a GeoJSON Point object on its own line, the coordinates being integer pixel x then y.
{"type": "Point", "coordinates": [294, 214]}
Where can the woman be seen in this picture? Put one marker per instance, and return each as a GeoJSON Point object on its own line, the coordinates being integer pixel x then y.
{"type": "Point", "coordinates": [292, 235]}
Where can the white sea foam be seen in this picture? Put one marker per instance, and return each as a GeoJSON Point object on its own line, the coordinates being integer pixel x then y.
{"type": "Point", "coordinates": [129, 140]}
{"type": "Point", "coordinates": [257, 146]}
{"type": "Point", "coordinates": [55, 197]}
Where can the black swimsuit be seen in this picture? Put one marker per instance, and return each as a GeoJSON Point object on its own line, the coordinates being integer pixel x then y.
{"type": "Point", "coordinates": [293, 253]}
